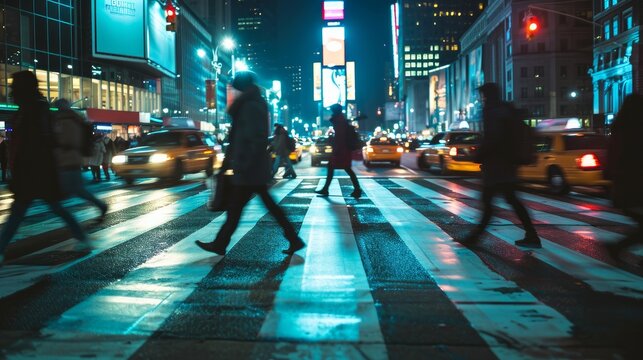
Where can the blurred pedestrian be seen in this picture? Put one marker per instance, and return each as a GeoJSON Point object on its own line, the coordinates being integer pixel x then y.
{"type": "Point", "coordinates": [96, 160]}
{"type": "Point", "coordinates": [625, 169]}
{"type": "Point", "coordinates": [342, 157]}
{"type": "Point", "coordinates": [499, 167]}
{"type": "Point", "coordinates": [282, 149]}
{"type": "Point", "coordinates": [4, 158]}
{"type": "Point", "coordinates": [69, 128]}
{"type": "Point", "coordinates": [110, 150]}
{"type": "Point", "coordinates": [32, 162]}
{"type": "Point", "coordinates": [249, 160]}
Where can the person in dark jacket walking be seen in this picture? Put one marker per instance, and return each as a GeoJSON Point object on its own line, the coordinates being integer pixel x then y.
{"type": "Point", "coordinates": [282, 152]}
{"type": "Point", "coordinates": [499, 168]}
{"type": "Point", "coordinates": [625, 169]}
{"type": "Point", "coordinates": [248, 157]}
{"type": "Point", "coordinates": [342, 154]}
{"type": "Point", "coordinates": [33, 167]}
{"type": "Point", "coordinates": [68, 129]}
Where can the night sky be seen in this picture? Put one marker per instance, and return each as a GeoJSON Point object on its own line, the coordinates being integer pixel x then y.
{"type": "Point", "coordinates": [368, 39]}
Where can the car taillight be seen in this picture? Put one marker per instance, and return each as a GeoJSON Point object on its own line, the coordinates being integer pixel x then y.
{"type": "Point", "coordinates": [400, 150]}
{"type": "Point", "coordinates": [369, 149]}
{"type": "Point", "coordinates": [453, 151]}
{"type": "Point", "coordinates": [588, 162]}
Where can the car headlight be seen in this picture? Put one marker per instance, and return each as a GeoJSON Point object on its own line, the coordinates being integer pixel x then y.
{"type": "Point", "coordinates": [119, 159]}
{"type": "Point", "coordinates": [312, 148]}
{"type": "Point", "coordinates": [158, 158]}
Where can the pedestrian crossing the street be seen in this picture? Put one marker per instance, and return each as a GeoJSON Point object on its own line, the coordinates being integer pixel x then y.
{"type": "Point", "coordinates": [381, 277]}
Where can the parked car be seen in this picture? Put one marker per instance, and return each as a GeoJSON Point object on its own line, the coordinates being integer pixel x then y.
{"type": "Point", "coordinates": [167, 154]}
{"type": "Point", "coordinates": [451, 151]}
{"type": "Point", "coordinates": [382, 149]}
{"type": "Point", "coordinates": [320, 150]}
{"type": "Point", "coordinates": [567, 158]}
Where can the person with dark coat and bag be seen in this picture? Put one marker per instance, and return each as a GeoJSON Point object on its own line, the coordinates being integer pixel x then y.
{"type": "Point", "coordinates": [342, 157]}
{"type": "Point", "coordinates": [625, 169]}
{"type": "Point", "coordinates": [499, 165]}
{"type": "Point", "coordinates": [281, 146]}
{"type": "Point", "coordinates": [248, 158]}
{"type": "Point", "coordinates": [32, 163]}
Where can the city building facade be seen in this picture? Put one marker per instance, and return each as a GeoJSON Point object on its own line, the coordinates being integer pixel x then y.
{"type": "Point", "coordinates": [547, 74]}
{"type": "Point", "coordinates": [616, 69]}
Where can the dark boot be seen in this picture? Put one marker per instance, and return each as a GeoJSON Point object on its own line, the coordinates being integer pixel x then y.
{"type": "Point", "coordinates": [531, 240]}
{"type": "Point", "coordinates": [211, 247]}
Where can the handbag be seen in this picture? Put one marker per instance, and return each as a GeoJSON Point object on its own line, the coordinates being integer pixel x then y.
{"type": "Point", "coordinates": [220, 193]}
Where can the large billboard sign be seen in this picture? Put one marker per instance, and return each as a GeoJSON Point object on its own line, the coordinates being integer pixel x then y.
{"type": "Point", "coordinates": [395, 30]}
{"type": "Point", "coordinates": [133, 30]}
{"type": "Point", "coordinates": [118, 29]}
{"type": "Point", "coordinates": [333, 52]}
{"type": "Point", "coordinates": [160, 42]}
{"type": "Point", "coordinates": [350, 81]}
{"type": "Point", "coordinates": [334, 86]}
{"type": "Point", "coordinates": [317, 81]}
{"type": "Point", "coordinates": [333, 10]}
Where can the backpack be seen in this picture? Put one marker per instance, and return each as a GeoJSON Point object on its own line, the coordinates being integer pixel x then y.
{"type": "Point", "coordinates": [523, 138]}
{"type": "Point", "coordinates": [290, 143]}
{"type": "Point", "coordinates": [354, 141]}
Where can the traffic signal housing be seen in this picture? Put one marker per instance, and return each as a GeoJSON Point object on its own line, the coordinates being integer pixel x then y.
{"type": "Point", "coordinates": [532, 26]}
{"type": "Point", "coordinates": [170, 16]}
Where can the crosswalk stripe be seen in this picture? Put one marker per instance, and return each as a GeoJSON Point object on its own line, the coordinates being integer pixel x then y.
{"type": "Point", "coordinates": [502, 319]}
{"type": "Point", "coordinates": [570, 225]}
{"type": "Point", "coordinates": [85, 214]}
{"type": "Point", "coordinates": [142, 306]}
{"type": "Point", "coordinates": [327, 298]}
{"type": "Point", "coordinates": [598, 275]}
{"type": "Point", "coordinates": [25, 276]}
{"type": "Point", "coordinates": [584, 210]}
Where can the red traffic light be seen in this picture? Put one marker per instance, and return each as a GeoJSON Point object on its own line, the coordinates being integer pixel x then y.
{"type": "Point", "coordinates": [170, 16]}
{"type": "Point", "coordinates": [532, 26]}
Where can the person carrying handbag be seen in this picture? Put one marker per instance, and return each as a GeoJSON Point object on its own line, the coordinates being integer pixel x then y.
{"type": "Point", "coordinates": [249, 160]}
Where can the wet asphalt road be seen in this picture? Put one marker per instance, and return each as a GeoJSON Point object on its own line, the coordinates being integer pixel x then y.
{"type": "Point", "coordinates": [381, 276]}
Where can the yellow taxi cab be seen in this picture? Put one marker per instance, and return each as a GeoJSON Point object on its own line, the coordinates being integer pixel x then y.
{"type": "Point", "coordinates": [167, 154]}
{"type": "Point", "coordinates": [451, 151]}
{"type": "Point", "coordinates": [294, 156]}
{"type": "Point", "coordinates": [567, 158]}
{"type": "Point", "coordinates": [382, 149]}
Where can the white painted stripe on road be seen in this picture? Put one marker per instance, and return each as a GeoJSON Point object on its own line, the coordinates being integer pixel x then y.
{"type": "Point", "coordinates": [22, 277]}
{"type": "Point", "coordinates": [502, 319]}
{"type": "Point", "coordinates": [92, 212]}
{"type": "Point", "coordinates": [582, 210]}
{"type": "Point", "coordinates": [597, 274]}
{"type": "Point", "coordinates": [570, 225]}
{"type": "Point", "coordinates": [132, 309]}
{"type": "Point", "coordinates": [327, 298]}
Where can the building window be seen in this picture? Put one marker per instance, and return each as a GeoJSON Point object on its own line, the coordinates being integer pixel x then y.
{"type": "Point", "coordinates": [524, 93]}
{"type": "Point", "coordinates": [615, 26]}
{"type": "Point", "coordinates": [606, 30]}
{"type": "Point", "coordinates": [407, 57]}
{"type": "Point", "coordinates": [509, 50]}
{"type": "Point", "coordinates": [539, 92]}
{"type": "Point", "coordinates": [524, 48]}
{"type": "Point", "coordinates": [407, 48]}
{"type": "Point", "coordinates": [606, 4]}
{"type": "Point", "coordinates": [628, 19]}
{"type": "Point", "coordinates": [508, 75]}
{"type": "Point", "coordinates": [539, 71]}
{"type": "Point", "coordinates": [523, 72]}
{"type": "Point", "coordinates": [510, 96]}
{"type": "Point", "coordinates": [614, 2]}
{"type": "Point", "coordinates": [539, 110]}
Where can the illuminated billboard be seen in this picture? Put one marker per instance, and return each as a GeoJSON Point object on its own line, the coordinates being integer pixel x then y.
{"type": "Point", "coordinates": [350, 81]}
{"type": "Point", "coordinates": [118, 29]}
{"type": "Point", "coordinates": [395, 27]}
{"type": "Point", "coordinates": [334, 87]}
{"type": "Point", "coordinates": [333, 10]}
{"type": "Point", "coordinates": [160, 42]}
{"type": "Point", "coordinates": [333, 53]}
{"type": "Point", "coordinates": [317, 81]}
